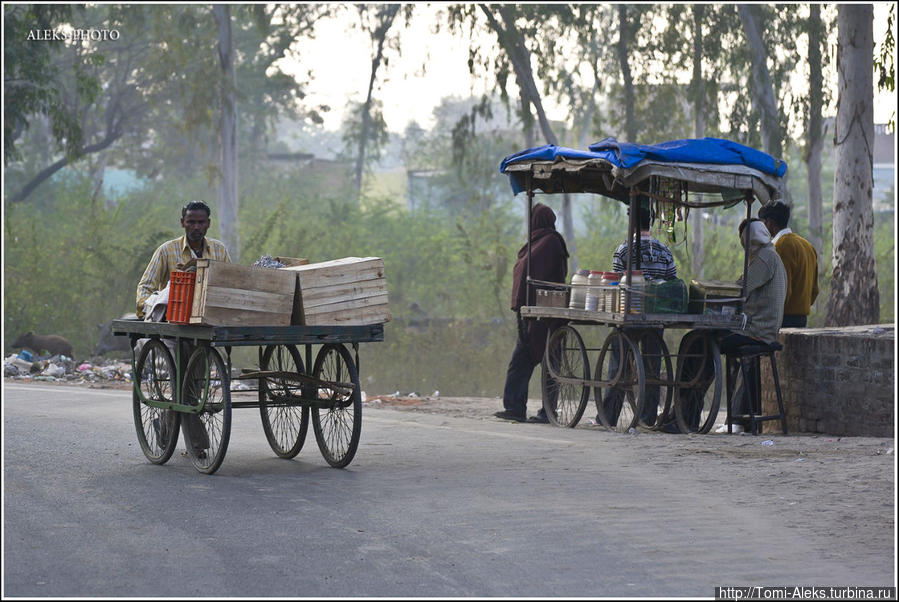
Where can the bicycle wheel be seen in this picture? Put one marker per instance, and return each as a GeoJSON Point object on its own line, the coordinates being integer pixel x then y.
{"type": "Point", "coordinates": [657, 407]}
{"type": "Point", "coordinates": [619, 400]}
{"type": "Point", "coordinates": [564, 401]}
{"type": "Point", "coordinates": [154, 380]}
{"type": "Point", "coordinates": [697, 390]}
{"type": "Point", "coordinates": [337, 420]}
{"type": "Point", "coordinates": [207, 384]}
{"type": "Point", "coordinates": [285, 423]}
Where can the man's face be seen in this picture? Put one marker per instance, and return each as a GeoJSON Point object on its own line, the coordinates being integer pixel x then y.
{"type": "Point", "coordinates": [195, 224]}
{"type": "Point", "coordinates": [771, 225]}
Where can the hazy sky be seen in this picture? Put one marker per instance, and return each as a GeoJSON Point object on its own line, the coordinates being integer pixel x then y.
{"type": "Point", "coordinates": [341, 71]}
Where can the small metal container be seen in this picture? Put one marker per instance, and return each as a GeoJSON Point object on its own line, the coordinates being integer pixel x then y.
{"type": "Point", "coordinates": [548, 298]}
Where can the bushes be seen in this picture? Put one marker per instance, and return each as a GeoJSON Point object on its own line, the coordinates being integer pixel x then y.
{"type": "Point", "coordinates": [72, 262]}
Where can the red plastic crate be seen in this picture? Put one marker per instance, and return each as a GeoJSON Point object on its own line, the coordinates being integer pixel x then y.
{"type": "Point", "coordinates": [181, 297]}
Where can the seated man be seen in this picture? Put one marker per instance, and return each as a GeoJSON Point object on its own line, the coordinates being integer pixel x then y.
{"type": "Point", "coordinates": [766, 288]}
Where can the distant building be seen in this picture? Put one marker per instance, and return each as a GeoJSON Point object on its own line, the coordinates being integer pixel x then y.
{"type": "Point", "coordinates": [884, 195]}
{"type": "Point", "coordinates": [332, 175]}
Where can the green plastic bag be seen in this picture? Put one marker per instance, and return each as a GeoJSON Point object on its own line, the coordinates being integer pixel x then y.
{"type": "Point", "coordinates": [666, 297]}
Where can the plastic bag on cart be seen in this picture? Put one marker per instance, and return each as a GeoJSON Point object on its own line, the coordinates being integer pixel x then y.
{"type": "Point", "coordinates": [156, 304]}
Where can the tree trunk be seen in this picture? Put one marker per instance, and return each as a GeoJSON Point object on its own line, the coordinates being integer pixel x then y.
{"type": "Point", "coordinates": [762, 89]}
{"type": "Point", "coordinates": [630, 125]}
{"type": "Point", "coordinates": [697, 253]}
{"type": "Point", "coordinates": [511, 41]}
{"type": "Point", "coordinates": [47, 172]}
{"type": "Point", "coordinates": [380, 35]}
{"type": "Point", "coordinates": [228, 201]}
{"type": "Point", "coordinates": [98, 173]}
{"type": "Point", "coordinates": [814, 141]}
{"type": "Point", "coordinates": [527, 121]}
{"type": "Point", "coordinates": [762, 86]}
{"type": "Point", "coordinates": [854, 298]}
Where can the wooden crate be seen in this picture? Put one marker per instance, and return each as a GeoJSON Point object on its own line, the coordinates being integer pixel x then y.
{"type": "Point", "coordinates": [351, 291]}
{"type": "Point", "coordinates": [228, 294]}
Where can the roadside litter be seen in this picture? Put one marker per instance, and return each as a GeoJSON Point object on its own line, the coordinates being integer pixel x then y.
{"type": "Point", "coordinates": [64, 369]}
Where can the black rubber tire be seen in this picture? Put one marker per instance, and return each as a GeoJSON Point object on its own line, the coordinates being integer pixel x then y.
{"type": "Point", "coordinates": [628, 383]}
{"type": "Point", "coordinates": [565, 356]}
{"type": "Point", "coordinates": [285, 426]}
{"type": "Point", "coordinates": [337, 427]}
{"type": "Point", "coordinates": [700, 392]}
{"type": "Point", "coordinates": [206, 382]}
{"type": "Point", "coordinates": [154, 379]}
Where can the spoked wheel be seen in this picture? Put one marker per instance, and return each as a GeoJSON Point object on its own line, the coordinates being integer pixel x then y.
{"type": "Point", "coordinates": [697, 392]}
{"type": "Point", "coordinates": [337, 421]}
{"type": "Point", "coordinates": [157, 429]}
{"type": "Point", "coordinates": [565, 363]}
{"type": "Point", "coordinates": [285, 423]}
{"type": "Point", "coordinates": [207, 383]}
{"type": "Point", "coordinates": [619, 401]}
{"type": "Point", "coordinates": [657, 408]}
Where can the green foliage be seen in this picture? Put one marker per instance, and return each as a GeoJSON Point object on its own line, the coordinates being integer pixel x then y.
{"type": "Point", "coordinates": [884, 66]}
{"type": "Point", "coordinates": [31, 73]}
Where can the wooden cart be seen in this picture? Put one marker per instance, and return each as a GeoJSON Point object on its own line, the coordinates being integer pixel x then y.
{"type": "Point", "coordinates": [180, 375]}
{"type": "Point", "coordinates": [637, 381]}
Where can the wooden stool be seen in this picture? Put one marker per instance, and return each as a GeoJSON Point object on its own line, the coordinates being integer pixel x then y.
{"type": "Point", "coordinates": [746, 359]}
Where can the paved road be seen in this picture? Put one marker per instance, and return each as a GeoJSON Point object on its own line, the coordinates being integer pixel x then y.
{"type": "Point", "coordinates": [432, 505]}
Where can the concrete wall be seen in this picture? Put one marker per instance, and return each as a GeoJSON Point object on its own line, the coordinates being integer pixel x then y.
{"type": "Point", "coordinates": [838, 381]}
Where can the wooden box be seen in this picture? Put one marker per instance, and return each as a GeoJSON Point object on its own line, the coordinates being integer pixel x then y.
{"type": "Point", "coordinates": [713, 297]}
{"type": "Point", "coordinates": [351, 291]}
{"type": "Point", "coordinates": [228, 294]}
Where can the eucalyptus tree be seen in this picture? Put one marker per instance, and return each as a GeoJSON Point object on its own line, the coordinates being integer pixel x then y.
{"type": "Point", "coordinates": [754, 23]}
{"type": "Point", "coordinates": [31, 70]}
{"type": "Point", "coordinates": [815, 128]}
{"type": "Point", "coordinates": [521, 32]}
{"type": "Point", "coordinates": [625, 32]}
{"type": "Point", "coordinates": [687, 42]}
{"type": "Point", "coordinates": [884, 64]}
{"type": "Point", "coordinates": [150, 94]}
{"type": "Point", "coordinates": [366, 128]}
{"type": "Point", "coordinates": [82, 87]}
{"type": "Point", "coordinates": [854, 297]}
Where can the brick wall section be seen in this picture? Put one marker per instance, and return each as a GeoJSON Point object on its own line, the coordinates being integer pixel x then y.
{"type": "Point", "coordinates": [838, 381]}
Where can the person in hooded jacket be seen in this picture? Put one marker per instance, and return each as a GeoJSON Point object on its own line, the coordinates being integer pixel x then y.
{"type": "Point", "coordinates": [548, 262]}
{"type": "Point", "coordinates": [766, 289]}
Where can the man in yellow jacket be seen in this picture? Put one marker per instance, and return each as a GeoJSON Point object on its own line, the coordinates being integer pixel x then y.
{"type": "Point", "coordinates": [800, 261]}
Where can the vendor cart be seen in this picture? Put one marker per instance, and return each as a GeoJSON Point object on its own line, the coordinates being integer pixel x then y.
{"type": "Point", "coordinates": [634, 362]}
{"type": "Point", "coordinates": [183, 373]}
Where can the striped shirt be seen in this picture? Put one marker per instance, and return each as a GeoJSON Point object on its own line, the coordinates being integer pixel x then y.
{"type": "Point", "coordinates": [170, 257]}
{"type": "Point", "coordinates": [656, 259]}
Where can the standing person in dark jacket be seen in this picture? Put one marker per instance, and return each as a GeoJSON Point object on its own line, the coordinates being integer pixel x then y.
{"type": "Point", "coordinates": [549, 262]}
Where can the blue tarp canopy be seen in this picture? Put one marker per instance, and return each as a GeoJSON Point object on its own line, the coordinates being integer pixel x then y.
{"type": "Point", "coordinates": [610, 167]}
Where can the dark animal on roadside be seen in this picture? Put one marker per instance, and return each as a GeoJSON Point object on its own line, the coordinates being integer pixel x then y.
{"type": "Point", "coordinates": [109, 342]}
{"type": "Point", "coordinates": [53, 343]}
